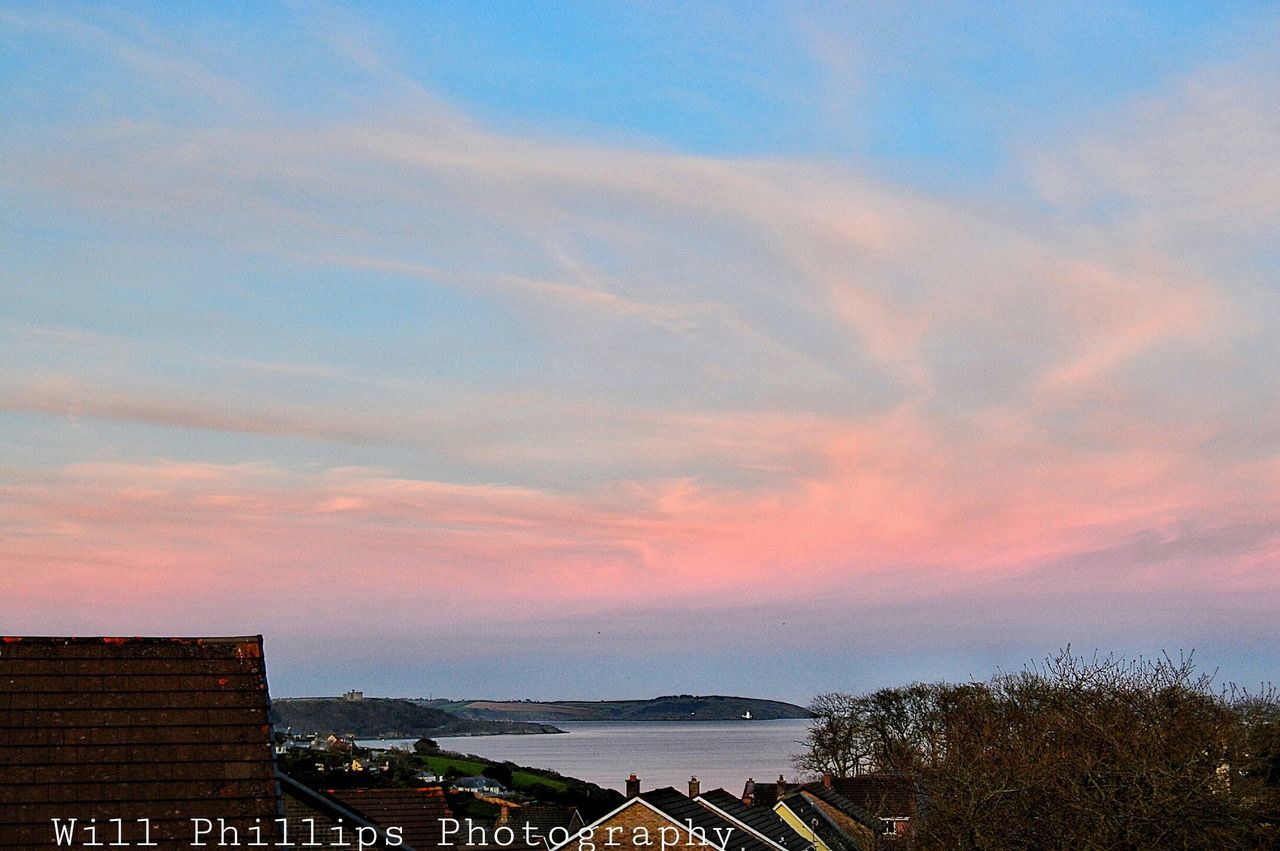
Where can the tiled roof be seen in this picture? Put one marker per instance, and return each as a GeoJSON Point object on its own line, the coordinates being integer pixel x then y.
{"type": "Point", "coordinates": [417, 812]}
{"type": "Point", "coordinates": [760, 819]}
{"type": "Point", "coordinates": [886, 795]}
{"type": "Point", "coordinates": [542, 818]}
{"type": "Point", "coordinates": [835, 837]}
{"type": "Point", "coordinates": [685, 811]}
{"type": "Point", "coordinates": [850, 808]}
{"type": "Point", "coordinates": [313, 817]}
{"type": "Point", "coordinates": [165, 729]}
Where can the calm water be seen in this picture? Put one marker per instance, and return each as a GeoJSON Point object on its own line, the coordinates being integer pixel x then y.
{"type": "Point", "coordinates": [719, 753]}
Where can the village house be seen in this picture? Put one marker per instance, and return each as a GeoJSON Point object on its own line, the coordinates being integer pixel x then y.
{"type": "Point", "coordinates": [666, 819]}
{"type": "Point", "coordinates": [480, 785]}
{"type": "Point", "coordinates": [842, 814]}
{"type": "Point", "coordinates": [539, 822]}
{"type": "Point", "coordinates": [893, 798]}
{"type": "Point", "coordinates": [829, 820]}
{"type": "Point", "coordinates": [763, 822]}
{"type": "Point", "coordinates": [417, 813]}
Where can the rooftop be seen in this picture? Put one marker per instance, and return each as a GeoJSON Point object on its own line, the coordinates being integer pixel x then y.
{"type": "Point", "coordinates": [165, 729]}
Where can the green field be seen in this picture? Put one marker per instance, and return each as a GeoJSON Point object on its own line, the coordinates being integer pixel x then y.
{"type": "Point", "coordinates": [521, 778]}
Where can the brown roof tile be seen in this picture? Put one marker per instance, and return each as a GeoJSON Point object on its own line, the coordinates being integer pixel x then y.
{"type": "Point", "coordinates": [886, 795]}
{"type": "Point", "coordinates": [417, 812]}
{"type": "Point", "coordinates": [166, 729]}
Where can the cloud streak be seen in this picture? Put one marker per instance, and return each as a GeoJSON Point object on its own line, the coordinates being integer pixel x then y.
{"type": "Point", "coordinates": [396, 346]}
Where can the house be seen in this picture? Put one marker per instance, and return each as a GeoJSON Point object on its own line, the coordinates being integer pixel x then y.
{"type": "Point", "coordinates": [726, 833]}
{"type": "Point", "coordinates": [829, 820]}
{"type": "Point", "coordinates": [158, 730]}
{"type": "Point", "coordinates": [334, 742]}
{"type": "Point", "coordinates": [839, 812]}
{"type": "Point", "coordinates": [894, 798]}
{"type": "Point", "coordinates": [666, 819]}
{"type": "Point", "coordinates": [417, 813]}
{"type": "Point", "coordinates": [766, 794]}
{"type": "Point", "coordinates": [762, 821]}
{"type": "Point", "coordinates": [155, 741]}
{"type": "Point", "coordinates": [533, 824]}
{"type": "Point", "coordinates": [480, 785]}
{"type": "Point", "coordinates": [314, 818]}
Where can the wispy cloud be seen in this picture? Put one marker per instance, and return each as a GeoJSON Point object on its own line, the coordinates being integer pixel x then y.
{"type": "Point", "coordinates": [565, 367]}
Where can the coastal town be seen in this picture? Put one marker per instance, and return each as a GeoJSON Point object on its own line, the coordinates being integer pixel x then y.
{"type": "Point", "coordinates": [167, 743]}
{"type": "Point", "coordinates": [175, 743]}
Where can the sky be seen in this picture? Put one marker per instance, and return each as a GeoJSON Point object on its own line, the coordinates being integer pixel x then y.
{"type": "Point", "coordinates": [609, 350]}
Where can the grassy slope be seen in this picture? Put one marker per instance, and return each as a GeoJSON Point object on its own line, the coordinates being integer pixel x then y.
{"type": "Point", "coordinates": [469, 767]}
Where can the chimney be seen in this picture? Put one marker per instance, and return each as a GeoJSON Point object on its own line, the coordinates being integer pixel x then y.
{"type": "Point", "coordinates": [826, 779]}
{"type": "Point", "coordinates": [749, 792]}
{"type": "Point", "coordinates": [694, 787]}
{"type": "Point", "coordinates": [633, 786]}
{"type": "Point", "coordinates": [782, 788]}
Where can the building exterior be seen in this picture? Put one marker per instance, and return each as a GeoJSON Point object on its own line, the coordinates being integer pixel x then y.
{"type": "Point", "coordinates": [761, 821]}
{"type": "Point", "coordinates": [155, 732]}
{"type": "Point", "coordinates": [893, 798]}
{"type": "Point", "coordinates": [154, 742]}
{"type": "Point", "coordinates": [829, 820]}
{"type": "Point", "coordinates": [666, 819]}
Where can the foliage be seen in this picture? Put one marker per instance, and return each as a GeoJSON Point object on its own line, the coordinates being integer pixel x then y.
{"type": "Point", "coordinates": [501, 772]}
{"type": "Point", "coordinates": [403, 768]}
{"type": "Point", "coordinates": [1080, 753]}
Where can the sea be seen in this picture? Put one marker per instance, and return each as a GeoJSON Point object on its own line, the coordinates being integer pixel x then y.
{"type": "Point", "coordinates": [719, 753]}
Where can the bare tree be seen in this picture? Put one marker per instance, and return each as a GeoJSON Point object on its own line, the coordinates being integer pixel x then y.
{"type": "Point", "coordinates": [1074, 753]}
{"type": "Point", "coordinates": [838, 741]}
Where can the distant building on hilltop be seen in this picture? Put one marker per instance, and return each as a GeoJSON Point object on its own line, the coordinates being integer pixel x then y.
{"type": "Point", "coordinates": [353, 695]}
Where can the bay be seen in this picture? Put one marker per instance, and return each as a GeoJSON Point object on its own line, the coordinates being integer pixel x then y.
{"type": "Point", "coordinates": [719, 753]}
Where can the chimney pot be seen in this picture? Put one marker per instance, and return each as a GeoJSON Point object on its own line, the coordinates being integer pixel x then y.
{"type": "Point", "coordinates": [826, 779]}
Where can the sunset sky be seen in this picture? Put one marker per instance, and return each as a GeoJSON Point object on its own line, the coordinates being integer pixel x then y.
{"type": "Point", "coordinates": [592, 350]}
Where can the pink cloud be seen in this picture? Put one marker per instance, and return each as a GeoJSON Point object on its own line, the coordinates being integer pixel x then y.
{"type": "Point", "coordinates": [737, 381]}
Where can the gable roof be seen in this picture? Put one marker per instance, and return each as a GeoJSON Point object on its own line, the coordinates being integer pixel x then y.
{"type": "Point", "coordinates": [839, 802]}
{"type": "Point", "coordinates": [832, 834]}
{"type": "Point", "coordinates": [686, 811]}
{"type": "Point", "coordinates": [166, 729]}
{"type": "Point", "coordinates": [762, 820]}
{"type": "Point", "coordinates": [637, 801]}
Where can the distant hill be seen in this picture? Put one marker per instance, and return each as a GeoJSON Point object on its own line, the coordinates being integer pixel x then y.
{"type": "Point", "coordinates": [681, 707]}
{"type": "Point", "coordinates": [387, 718]}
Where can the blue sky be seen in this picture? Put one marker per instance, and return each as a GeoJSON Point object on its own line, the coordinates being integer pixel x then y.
{"type": "Point", "coordinates": [909, 341]}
